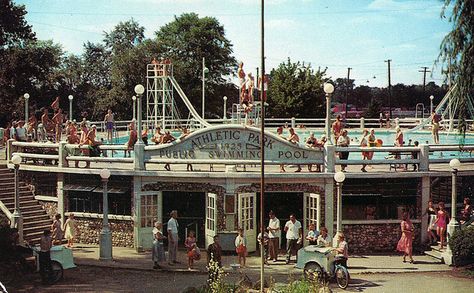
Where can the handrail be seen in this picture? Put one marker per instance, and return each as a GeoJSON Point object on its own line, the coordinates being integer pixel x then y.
{"type": "Point", "coordinates": [6, 211]}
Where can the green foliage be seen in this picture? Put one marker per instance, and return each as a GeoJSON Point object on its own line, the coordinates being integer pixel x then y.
{"type": "Point", "coordinates": [302, 286]}
{"type": "Point", "coordinates": [215, 282]}
{"type": "Point", "coordinates": [14, 30]}
{"type": "Point", "coordinates": [373, 110]}
{"type": "Point", "coordinates": [462, 245]}
{"type": "Point", "coordinates": [457, 53]}
{"type": "Point", "coordinates": [187, 40]}
{"type": "Point", "coordinates": [296, 90]}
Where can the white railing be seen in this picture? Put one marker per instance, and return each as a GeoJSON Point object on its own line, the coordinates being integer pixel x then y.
{"type": "Point", "coordinates": [61, 154]}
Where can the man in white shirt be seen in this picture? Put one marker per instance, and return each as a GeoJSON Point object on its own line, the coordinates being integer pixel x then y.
{"type": "Point", "coordinates": [274, 236]}
{"type": "Point", "coordinates": [173, 237]}
{"type": "Point", "coordinates": [294, 236]}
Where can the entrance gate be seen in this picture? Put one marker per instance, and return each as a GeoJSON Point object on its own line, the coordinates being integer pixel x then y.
{"type": "Point", "coordinates": [211, 218]}
{"type": "Point", "coordinates": [247, 219]}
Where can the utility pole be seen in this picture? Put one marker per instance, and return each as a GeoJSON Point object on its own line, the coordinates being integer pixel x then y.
{"type": "Point", "coordinates": [424, 70]}
{"type": "Point", "coordinates": [389, 89]}
{"type": "Point", "coordinates": [347, 88]}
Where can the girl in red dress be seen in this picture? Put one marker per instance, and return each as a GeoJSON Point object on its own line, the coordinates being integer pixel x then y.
{"type": "Point", "coordinates": [441, 223]}
{"type": "Point", "coordinates": [405, 244]}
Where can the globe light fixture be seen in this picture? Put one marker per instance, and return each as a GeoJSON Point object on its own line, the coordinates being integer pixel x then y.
{"type": "Point", "coordinates": [339, 177]}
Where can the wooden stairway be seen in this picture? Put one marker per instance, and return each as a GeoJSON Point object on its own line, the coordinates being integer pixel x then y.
{"type": "Point", "coordinates": [35, 218]}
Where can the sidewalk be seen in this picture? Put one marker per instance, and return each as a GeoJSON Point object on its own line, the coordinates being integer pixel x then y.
{"type": "Point", "coordinates": [128, 258]}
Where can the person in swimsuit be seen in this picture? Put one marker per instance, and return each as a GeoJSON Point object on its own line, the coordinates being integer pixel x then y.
{"type": "Point", "coordinates": [431, 212]}
{"type": "Point", "coordinates": [435, 126]}
{"type": "Point", "coordinates": [58, 120]}
{"type": "Point", "coordinates": [336, 128]}
{"type": "Point", "coordinates": [241, 76]}
{"type": "Point", "coordinates": [441, 222]}
{"type": "Point", "coordinates": [311, 142]}
{"type": "Point", "coordinates": [364, 143]}
{"type": "Point", "coordinates": [109, 124]}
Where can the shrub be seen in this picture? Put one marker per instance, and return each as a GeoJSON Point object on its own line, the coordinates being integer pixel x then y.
{"type": "Point", "coordinates": [462, 245]}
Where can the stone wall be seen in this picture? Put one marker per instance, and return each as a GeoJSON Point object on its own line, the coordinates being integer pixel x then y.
{"type": "Point", "coordinates": [50, 207]}
{"type": "Point", "coordinates": [376, 238]}
{"type": "Point", "coordinates": [89, 231]}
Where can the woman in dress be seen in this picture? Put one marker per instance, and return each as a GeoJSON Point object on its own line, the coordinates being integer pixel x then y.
{"type": "Point", "coordinates": [192, 250]}
{"type": "Point", "coordinates": [466, 212]}
{"type": "Point", "coordinates": [405, 244]}
{"type": "Point", "coordinates": [158, 252]}
{"type": "Point", "coordinates": [441, 223]}
{"type": "Point", "coordinates": [70, 230]}
{"type": "Point", "coordinates": [431, 212]}
{"type": "Point", "coordinates": [56, 229]}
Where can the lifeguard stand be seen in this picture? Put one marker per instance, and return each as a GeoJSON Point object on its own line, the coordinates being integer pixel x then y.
{"type": "Point", "coordinates": [161, 107]}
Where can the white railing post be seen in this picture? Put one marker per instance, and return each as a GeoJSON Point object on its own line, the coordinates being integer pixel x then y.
{"type": "Point", "coordinates": [139, 156]}
{"type": "Point", "coordinates": [362, 123]}
{"type": "Point", "coordinates": [397, 122]}
{"type": "Point", "coordinates": [329, 158]}
{"type": "Point", "coordinates": [62, 154]}
{"type": "Point", "coordinates": [424, 157]}
{"type": "Point", "coordinates": [9, 149]}
{"type": "Point", "coordinates": [293, 122]}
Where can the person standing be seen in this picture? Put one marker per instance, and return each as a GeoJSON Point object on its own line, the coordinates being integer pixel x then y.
{"type": "Point", "coordinates": [214, 252]}
{"type": "Point", "coordinates": [343, 141]}
{"type": "Point", "coordinates": [274, 236]}
{"type": "Point", "coordinates": [158, 252]}
{"type": "Point", "coordinates": [263, 241]}
{"type": "Point", "coordinates": [294, 235]}
{"type": "Point", "coordinates": [109, 124]}
{"type": "Point", "coordinates": [241, 247]}
{"type": "Point", "coordinates": [364, 143]}
{"type": "Point", "coordinates": [435, 126]}
{"type": "Point", "coordinates": [173, 237]}
{"type": "Point", "coordinates": [312, 235]}
{"type": "Point", "coordinates": [431, 212]}
{"type": "Point", "coordinates": [56, 229]}
{"type": "Point", "coordinates": [441, 222]}
{"type": "Point", "coordinates": [46, 268]}
{"type": "Point", "coordinates": [405, 244]}
{"type": "Point", "coordinates": [70, 230]}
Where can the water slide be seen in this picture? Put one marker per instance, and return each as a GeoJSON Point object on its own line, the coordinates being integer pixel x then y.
{"type": "Point", "coordinates": [444, 102]}
{"type": "Point", "coordinates": [188, 103]}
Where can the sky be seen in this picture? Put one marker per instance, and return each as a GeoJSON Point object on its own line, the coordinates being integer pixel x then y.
{"type": "Point", "coordinates": [336, 34]}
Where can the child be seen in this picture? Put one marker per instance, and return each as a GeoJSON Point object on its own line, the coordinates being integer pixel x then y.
{"type": "Point", "coordinates": [70, 230]}
{"type": "Point", "coordinates": [46, 268]}
{"type": "Point", "coordinates": [193, 250]}
{"type": "Point", "coordinates": [264, 241]}
{"type": "Point", "coordinates": [241, 247]}
{"type": "Point", "coordinates": [312, 235]}
{"type": "Point", "coordinates": [56, 230]}
{"type": "Point", "coordinates": [158, 252]}
{"type": "Point", "coordinates": [441, 223]}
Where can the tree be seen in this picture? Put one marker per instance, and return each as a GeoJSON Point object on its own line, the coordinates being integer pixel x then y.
{"type": "Point", "coordinates": [295, 90]}
{"type": "Point", "coordinates": [187, 40]}
{"type": "Point", "coordinates": [124, 36]}
{"type": "Point", "coordinates": [14, 30]}
{"type": "Point", "coordinates": [457, 53]}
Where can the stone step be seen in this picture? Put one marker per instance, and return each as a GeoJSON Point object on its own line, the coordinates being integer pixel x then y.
{"type": "Point", "coordinates": [41, 228]}
{"type": "Point", "coordinates": [23, 197]}
{"type": "Point", "coordinates": [37, 222]}
{"type": "Point", "coordinates": [23, 203]}
{"type": "Point", "coordinates": [437, 248]}
{"type": "Point", "coordinates": [36, 217]}
{"type": "Point", "coordinates": [11, 194]}
{"type": "Point", "coordinates": [36, 207]}
{"type": "Point", "coordinates": [435, 254]}
{"type": "Point", "coordinates": [29, 213]}
{"type": "Point", "coordinates": [4, 178]}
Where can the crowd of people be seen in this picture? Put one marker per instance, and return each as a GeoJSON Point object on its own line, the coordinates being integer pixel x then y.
{"type": "Point", "coordinates": [269, 241]}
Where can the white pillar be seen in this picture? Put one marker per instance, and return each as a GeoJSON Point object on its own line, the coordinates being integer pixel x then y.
{"type": "Point", "coordinates": [425, 197]}
{"type": "Point", "coordinates": [105, 234]}
{"type": "Point", "coordinates": [328, 119]}
{"type": "Point", "coordinates": [329, 206]}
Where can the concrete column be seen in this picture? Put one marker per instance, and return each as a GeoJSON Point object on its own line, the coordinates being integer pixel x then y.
{"type": "Point", "coordinates": [139, 156]}
{"type": "Point", "coordinates": [293, 122]}
{"type": "Point", "coordinates": [60, 193]}
{"type": "Point", "coordinates": [424, 157]}
{"type": "Point", "coordinates": [329, 206]}
{"type": "Point", "coordinates": [136, 199]}
{"type": "Point", "coordinates": [329, 158]}
{"type": "Point", "coordinates": [62, 154]}
{"type": "Point", "coordinates": [362, 122]}
{"type": "Point", "coordinates": [425, 197]}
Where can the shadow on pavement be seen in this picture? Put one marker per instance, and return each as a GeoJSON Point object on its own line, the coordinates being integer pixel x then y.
{"type": "Point", "coordinates": [359, 285]}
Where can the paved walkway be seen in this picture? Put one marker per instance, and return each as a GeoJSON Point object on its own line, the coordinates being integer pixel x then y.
{"type": "Point", "coordinates": [128, 258]}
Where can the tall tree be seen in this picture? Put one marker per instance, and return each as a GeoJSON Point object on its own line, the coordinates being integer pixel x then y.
{"type": "Point", "coordinates": [188, 39]}
{"type": "Point", "coordinates": [14, 30]}
{"type": "Point", "coordinates": [296, 91]}
{"type": "Point", "coordinates": [457, 53]}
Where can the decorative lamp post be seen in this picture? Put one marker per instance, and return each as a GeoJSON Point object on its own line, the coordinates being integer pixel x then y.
{"type": "Point", "coordinates": [70, 97]}
{"type": "Point", "coordinates": [431, 104]}
{"type": "Point", "coordinates": [17, 221]}
{"type": "Point", "coordinates": [105, 235]}
{"type": "Point", "coordinates": [328, 89]}
{"type": "Point", "coordinates": [453, 224]}
{"type": "Point", "coordinates": [225, 108]}
{"type": "Point", "coordinates": [139, 90]}
{"type": "Point", "coordinates": [27, 97]}
{"type": "Point", "coordinates": [205, 71]}
{"type": "Point", "coordinates": [134, 99]}
{"type": "Point", "coordinates": [339, 177]}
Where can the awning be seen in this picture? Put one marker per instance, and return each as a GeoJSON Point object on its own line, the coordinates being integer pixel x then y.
{"type": "Point", "coordinates": [79, 187]}
{"type": "Point", "coordinates": [111, 189]}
